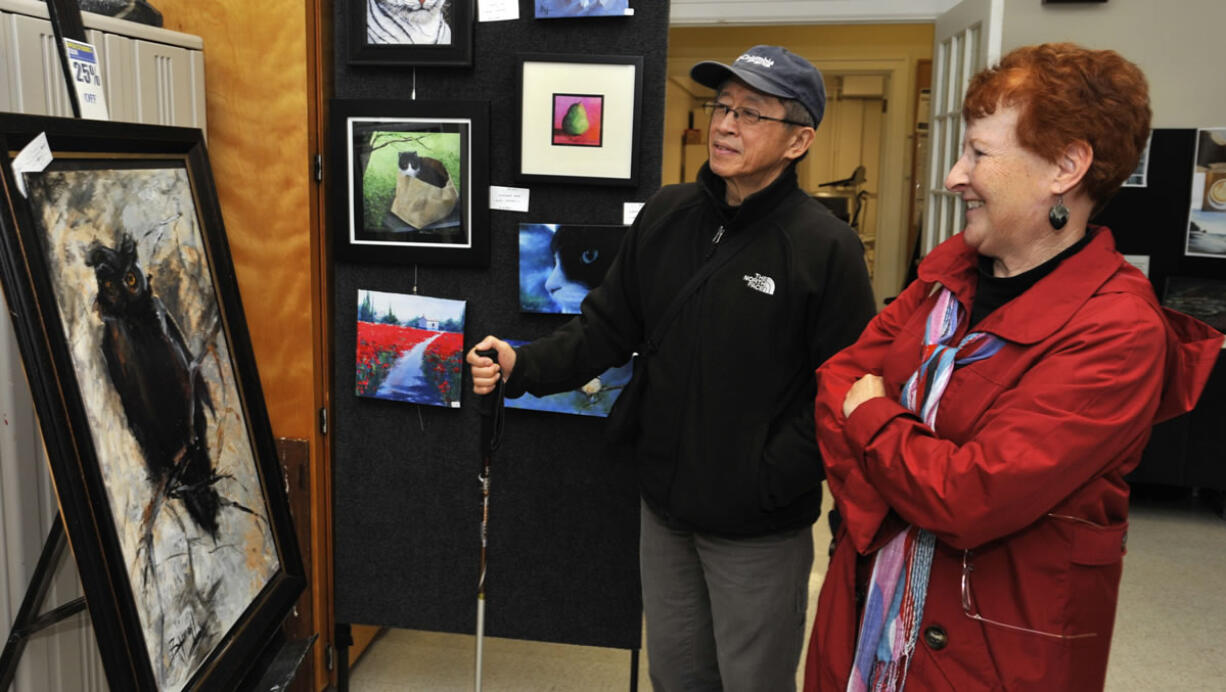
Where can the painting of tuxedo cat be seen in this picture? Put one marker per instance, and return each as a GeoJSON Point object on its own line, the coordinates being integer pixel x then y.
{"type": "Point", "coordinates": [423, 168]}
{"type": "Point", "coordinates": [408, 22]}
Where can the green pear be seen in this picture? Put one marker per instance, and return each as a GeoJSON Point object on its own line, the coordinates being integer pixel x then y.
{"type": "Point", "coordinates": [575, 122]}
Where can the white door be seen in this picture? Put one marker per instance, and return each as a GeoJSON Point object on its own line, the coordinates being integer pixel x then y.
{"type": "Point", "coordinates": [968, 38]}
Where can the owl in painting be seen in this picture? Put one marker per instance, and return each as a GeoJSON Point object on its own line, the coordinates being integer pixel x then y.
{"type": "Point", "coordinates": [159, 384]}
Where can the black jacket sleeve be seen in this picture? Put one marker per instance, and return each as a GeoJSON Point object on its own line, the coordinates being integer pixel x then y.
{"type": "Point", "coordinates": [605, 334]}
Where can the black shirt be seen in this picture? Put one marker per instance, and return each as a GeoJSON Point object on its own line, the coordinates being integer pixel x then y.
{"type": "Point", "coordinates": [995, 291]}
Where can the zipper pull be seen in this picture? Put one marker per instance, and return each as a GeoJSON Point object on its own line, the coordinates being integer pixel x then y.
{"type": "Point", "coordinates": [719, 235]}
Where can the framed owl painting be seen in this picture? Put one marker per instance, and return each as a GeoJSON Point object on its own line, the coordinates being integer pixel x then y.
{"type": "Point", "coordinates": [118, 276]}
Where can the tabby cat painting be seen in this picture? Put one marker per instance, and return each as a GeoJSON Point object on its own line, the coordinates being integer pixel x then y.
{"type": "Point", "coordinates": [140, 314]}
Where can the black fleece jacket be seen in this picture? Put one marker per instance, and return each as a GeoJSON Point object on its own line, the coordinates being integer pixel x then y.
{"type": "Point", "coordinates": [727, 443]}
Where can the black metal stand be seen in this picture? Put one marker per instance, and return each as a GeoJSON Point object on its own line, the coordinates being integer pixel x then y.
{"type": "Point", "coordinates": [66, 23]}
{"type": "Point", "coordinates": [28, 621]}
{"type": "Point", "coordinates": [277, 665]}
{"type": "Point", "coordinates": [344, 640]}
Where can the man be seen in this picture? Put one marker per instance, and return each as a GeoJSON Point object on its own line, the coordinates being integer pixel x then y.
{"type": "Point", "coordinates": [728, 463]}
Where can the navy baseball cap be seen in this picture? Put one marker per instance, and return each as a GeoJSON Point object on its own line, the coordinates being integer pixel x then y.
{"type": "Point", "coordinates": [772, 70]}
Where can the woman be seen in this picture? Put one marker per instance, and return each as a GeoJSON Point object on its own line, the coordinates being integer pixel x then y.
{"type": "Point", "coordinates": [977, 435]}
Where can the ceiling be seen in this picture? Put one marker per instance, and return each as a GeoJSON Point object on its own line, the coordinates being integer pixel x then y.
{"type": "Point", "coordinates": [709, 12]}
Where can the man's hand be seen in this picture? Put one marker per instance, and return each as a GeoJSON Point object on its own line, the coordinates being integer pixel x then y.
{"type": "Point", "coordinates": [865, 388]}
{"type": "Point", "coordinates": [485, 371]}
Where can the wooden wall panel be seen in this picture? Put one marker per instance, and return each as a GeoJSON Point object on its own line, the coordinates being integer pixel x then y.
{"type": "Point", "coordinates": [261, 100]}
{"type": "Point", "coordinates": [255, 71]}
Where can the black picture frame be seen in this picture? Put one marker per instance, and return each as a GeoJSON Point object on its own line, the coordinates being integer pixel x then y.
{"type": "Point", "coordinates": [365, 48]}
{"type": "Point", "coordinates": [106, 182]}
{"type": "Point", "coordinates": [457, 134]}
{"type": "Point", "coordinates": [617, 81]}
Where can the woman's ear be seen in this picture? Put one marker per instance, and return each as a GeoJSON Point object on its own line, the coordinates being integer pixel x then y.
{"type": "Point", "coordinates": [1072, 165]}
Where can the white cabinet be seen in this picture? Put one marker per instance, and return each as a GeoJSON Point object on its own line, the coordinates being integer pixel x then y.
{"type": "Point", "coordinates": [150, 75]}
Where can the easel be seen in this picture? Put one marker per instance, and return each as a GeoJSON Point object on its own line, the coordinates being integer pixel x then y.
{"type": "Point", "coordinates": [279, 659]}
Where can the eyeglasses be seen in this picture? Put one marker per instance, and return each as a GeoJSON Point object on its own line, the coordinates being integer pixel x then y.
{"type": "Point", "coordinates": [968, 605]}
{"type": "Point", "coordinates": [748, 116]}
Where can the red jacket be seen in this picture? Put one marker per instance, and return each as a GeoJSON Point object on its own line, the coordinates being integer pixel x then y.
{"type": "Point", "coordinates": [1026, 471]}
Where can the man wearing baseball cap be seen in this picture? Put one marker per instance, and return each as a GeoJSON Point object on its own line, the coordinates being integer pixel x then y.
{"type": "Point", "coordinates": [726, 452]}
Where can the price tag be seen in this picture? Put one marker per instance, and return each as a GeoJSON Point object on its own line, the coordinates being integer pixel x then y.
{"type": "Point", "coordinates": [33, 158]}
{"type": "Point", "coordinates": [86, 79]}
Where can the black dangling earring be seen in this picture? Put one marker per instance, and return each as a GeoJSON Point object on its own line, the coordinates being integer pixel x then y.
{"type": "Point", "coordinates": [1058, 215]}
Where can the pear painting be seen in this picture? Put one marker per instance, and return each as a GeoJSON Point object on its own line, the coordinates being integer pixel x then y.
{"type": "Point", "coordinates": [577, 120]}
{"type": "Point", "coordinates": [575, 123]}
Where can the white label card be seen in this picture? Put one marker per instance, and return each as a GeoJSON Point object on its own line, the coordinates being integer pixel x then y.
{"type": "Point", "coordinates": [630, 211]}
{"type": "Point", "coordinates": [1139, 261]}
{"type": "Point", "coordinates": [508, 198]}
{"type": "Point", "coordinates": [497, 10]}
{"type": "Point", "coordinates": [33, 158]}
{"type": "Point", "coordinates": [86, 79]}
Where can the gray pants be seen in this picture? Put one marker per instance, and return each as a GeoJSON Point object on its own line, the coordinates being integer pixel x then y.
{"type": "Point", "coordinates": [723, 614]}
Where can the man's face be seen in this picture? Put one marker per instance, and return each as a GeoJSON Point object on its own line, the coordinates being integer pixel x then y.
{"type": "Point", "coordinates": [751, 156]}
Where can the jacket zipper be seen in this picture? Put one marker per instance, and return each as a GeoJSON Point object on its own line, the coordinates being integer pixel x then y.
{"type": "Point", "coordinates": [719, 235]}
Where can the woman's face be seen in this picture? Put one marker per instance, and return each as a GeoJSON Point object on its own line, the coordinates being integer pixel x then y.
{"type": "Point", "coordinates": [565, 292]}
{"type": "Point", "coordinates": [1007, 189]}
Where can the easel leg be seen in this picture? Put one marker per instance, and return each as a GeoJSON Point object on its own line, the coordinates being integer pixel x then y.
{"type": "Point", "coordinates": [28, 621]}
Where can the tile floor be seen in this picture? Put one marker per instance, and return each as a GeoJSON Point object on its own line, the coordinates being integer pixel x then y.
{"type": "Point", "coordinates": [1170, 630]}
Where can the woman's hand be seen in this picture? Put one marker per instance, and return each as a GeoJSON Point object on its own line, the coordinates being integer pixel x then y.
{"type": "Point", "coordinates": [865, 388]}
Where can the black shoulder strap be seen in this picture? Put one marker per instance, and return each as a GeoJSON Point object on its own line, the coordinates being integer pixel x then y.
{"type": "Point", "coordinates": [734, 245]}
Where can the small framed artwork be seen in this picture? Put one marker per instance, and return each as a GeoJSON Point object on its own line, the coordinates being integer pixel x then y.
{"type": "Point", "coordinates": [579, 118]}
{"type": "Point", "coordinates": [410, 181]}
{"type": "Point", "coordinates": [126, 308]}
{"type": "Point", "coordinates": [1204, 299]}
{"type": "Point", "coordinates": [562, 9]}
{"type": "Point", "coordinates": [560, 263]}
{"type": "Point", "coordinates": [409, 348]}
{"type": "Point", "coordinates": [595, 398]}
{"type": "Point", "coordinates": [1206, 236]}
{"type": "Point", "coordinates": [420, 32]}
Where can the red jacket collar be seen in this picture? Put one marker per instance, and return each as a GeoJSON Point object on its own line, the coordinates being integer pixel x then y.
{"type": "Point", "coordinates": [1039, 312]}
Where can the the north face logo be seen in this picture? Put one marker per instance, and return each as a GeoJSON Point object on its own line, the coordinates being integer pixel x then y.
{"type": "Point", "coordinates": [756, 59]}
{"type": "Point", "coordinates": [757, 282]}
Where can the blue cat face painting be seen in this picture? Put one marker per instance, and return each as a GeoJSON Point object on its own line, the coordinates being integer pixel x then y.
{"type": "Point", "coordinates": [560, 263]}
{"type": "Point", "coordinates": [559, 9]}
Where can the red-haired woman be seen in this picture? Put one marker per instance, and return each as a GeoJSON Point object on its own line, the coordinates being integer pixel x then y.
{"type": "Point", "coordinates": [977, 435]}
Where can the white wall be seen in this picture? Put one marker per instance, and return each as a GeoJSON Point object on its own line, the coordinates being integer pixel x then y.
{"type": "Point", "coordinates": [697, 12]}
{"type": "Point", "coordinates": [1176, 43]}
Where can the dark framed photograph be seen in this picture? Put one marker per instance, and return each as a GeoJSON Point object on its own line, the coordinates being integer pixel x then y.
{"type": "Point", "coordinates": [579, 118]}
{"type": "Point", "coordinates": [118, 275]}
{"type": "Point", "coordinates": [1204, 299]}
{"type": "Point", "coordinates": [410, 32]}
{"type": "Point", "coordinates": [410, 181]}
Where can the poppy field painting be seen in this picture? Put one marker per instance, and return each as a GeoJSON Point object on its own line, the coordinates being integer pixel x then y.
{"type": "Point", "coordinates": [409, 348]}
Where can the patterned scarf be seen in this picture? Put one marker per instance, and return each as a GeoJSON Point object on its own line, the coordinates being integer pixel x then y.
{"type": "Point", "coordinates": [899, 583]}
